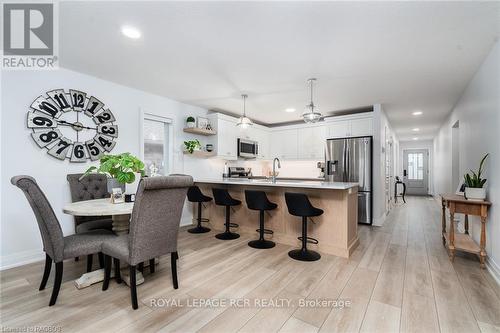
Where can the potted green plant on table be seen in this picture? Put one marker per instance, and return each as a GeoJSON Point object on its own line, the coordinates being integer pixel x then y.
{"type": "Point", "coordinates": [120, 169]}
{"type": "Point", "coordinates": [192, 145]}
{"type": "Point", "coordinates": [190, 122]}
{"type": "Point", "coordinates": [474, 184]}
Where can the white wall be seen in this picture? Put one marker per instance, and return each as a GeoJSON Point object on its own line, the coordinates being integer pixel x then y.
{"type": "Point", "coordinates": [20, 239]}
{"type": "Point", "coordinates": [380, 125]}
{"type": "Point", "coordinates": [424, 144]}
{"type": "Point", "coordinates": [478, 111]}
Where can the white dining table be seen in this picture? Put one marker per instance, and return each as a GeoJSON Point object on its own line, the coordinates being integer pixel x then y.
{"type": "Point", "coordinates": [120, 212]}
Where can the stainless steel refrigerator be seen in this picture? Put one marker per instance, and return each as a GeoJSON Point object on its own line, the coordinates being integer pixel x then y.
{"type": "Point", "coordinates": [350, 160]}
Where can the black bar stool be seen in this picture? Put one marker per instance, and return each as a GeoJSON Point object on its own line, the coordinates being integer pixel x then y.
{"type": "Point", "coordinates": [194, 195]}
{"type": "Point", "coordinates": [299, 205]}
{"type": "Point", "coordinates": [222, 198]}
{"type": "Point", "coordinates": [257, 200]}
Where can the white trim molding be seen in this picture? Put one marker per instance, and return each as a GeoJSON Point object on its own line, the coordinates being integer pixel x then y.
{"type": "Point", "coordinates": [493, 269]}
{"type": "Point", "coordinates": [20, 259]}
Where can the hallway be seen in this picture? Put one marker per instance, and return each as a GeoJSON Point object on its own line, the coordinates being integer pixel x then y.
{"type": "Point", "coordinates": [399, 279]}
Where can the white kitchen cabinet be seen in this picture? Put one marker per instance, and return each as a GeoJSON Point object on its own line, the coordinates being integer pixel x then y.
{"type": "Point", "coordinates": [361, 127]}
{"type": "Point", "coordinates": [284, 144]}
{"type": "Point", "coordinates": [339, 129]}
{"type": "Point", "coordinates": [311, 143]}
{"type": "Point", "coordinates": [262, 137]}
{"type": "Point", "coordinates": [227, 134]}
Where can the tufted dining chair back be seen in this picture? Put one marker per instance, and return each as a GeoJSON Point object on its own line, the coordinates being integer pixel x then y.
{"type": "Point", "coordinates": [92, 186]}
{"type": "Point", "coordinates": [50, 230]}
{"type": "Point", "coordinates": [156, 216]}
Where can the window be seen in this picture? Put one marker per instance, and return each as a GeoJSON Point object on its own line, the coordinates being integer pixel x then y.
{"type": "Point", "coordinates": [156, 150]}
{"type": "Point", "coordinates": [415, 166]}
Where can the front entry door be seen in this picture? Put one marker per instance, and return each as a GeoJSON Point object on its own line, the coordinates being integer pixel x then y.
{"type": "Point", "coordinates": [415, 171]}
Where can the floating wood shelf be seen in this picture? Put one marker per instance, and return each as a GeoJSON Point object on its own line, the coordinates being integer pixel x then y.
{"type": "Point", "coordinates": [200, 131]}
{"type": "Point", "coordinates": [200, 153]}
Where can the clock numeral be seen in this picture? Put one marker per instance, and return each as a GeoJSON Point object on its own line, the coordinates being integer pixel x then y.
{"type": "Point", "coordinates": [94, 149]}
{"type": "Point", "coordinates": [60, 98]}
{"type": "Point", "coordinates": [46, 137]}
{"type": "Point", "coordinates": [105, 116]}
{"type": "Point", "coordinates": [43, 105]}
{"type": "Point", "coordinates": [78, 152]}
{"type": "Point", "coordinates": [77, 99]}
{"type": "Point", "coordinates": [105, 142]}
{"type": "Point", "coordinates": [93, 106]}
{"type": "Point", "coordinates": [110, 130]}
{"type": "Point", "coordinates": [40, 120]}
{"type": "Point", "coordinates": [61, 148]}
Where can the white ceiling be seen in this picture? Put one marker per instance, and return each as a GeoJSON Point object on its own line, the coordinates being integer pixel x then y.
{"type": "Point", "coordinates": [406, 55]}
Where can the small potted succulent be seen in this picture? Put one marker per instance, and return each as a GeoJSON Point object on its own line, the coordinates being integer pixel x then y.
{"type": "Point", "coordinates": [190, 122]}
{"type": "Point", "coordinates": [474, 184]}
{"type": "Point", "coordinates": [192, 145]}
{"type": "Point", "coordinates": [120, 169]}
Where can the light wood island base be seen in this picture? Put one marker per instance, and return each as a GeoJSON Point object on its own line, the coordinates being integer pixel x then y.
{"type": "Point", "coordinates": [336, 230]}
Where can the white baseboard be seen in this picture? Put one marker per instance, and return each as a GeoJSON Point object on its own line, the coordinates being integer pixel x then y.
{"type": "Point", "coordinates": [20, 259]}
{"type": "Point", "coordinates": [494, 269]}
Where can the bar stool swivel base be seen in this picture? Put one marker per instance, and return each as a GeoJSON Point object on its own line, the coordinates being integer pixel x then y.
{"type": "Point", "coordinates": [304, 255]}
{"type": "Point", "coordinates": [261, 244]}
{"type": "Point", "coordinates": [227, 235]}
{"type": "Point", "coordinates": [198, 230]}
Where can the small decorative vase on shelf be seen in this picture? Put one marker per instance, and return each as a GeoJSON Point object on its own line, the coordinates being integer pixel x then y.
{"type": "Point", "coordinates": [190, 122]}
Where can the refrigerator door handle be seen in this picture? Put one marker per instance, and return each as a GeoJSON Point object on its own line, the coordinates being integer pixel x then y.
{"type": "Point", "coordinates": [344, 162]}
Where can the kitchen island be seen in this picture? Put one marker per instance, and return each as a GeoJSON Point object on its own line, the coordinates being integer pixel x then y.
{"type": "Point", "coordinates": [336, 230]}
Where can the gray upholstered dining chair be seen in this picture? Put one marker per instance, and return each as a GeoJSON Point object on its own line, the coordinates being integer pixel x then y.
{"type": "Point", "coordinates": [56, 246]}
{"type": "Point", "coordinates": [154, 227]}
{"type": "Point", "coordinates": [92, 186]}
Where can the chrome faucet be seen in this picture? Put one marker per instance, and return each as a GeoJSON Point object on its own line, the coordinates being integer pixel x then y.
{"type": "Point", "coordinates": [273, 177]}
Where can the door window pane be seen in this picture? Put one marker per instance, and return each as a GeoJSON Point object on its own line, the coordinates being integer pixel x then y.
{"type": "Point", "coordinates": [415, 166]}
{"type": "Point", "coordinates": [155, 147]}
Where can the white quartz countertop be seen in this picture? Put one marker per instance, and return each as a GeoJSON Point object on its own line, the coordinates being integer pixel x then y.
{"type": "Point", "coordinates": [279, 183]}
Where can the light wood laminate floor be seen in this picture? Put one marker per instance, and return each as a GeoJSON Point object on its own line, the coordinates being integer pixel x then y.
{"type": "Point", "coordinates": [399, 279]}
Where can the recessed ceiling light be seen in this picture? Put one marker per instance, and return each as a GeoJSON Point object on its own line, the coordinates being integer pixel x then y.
{"type": "Point", "coordinates": [290, 110]}
{"type": "Point", "coordinates": [416, 129]}
{"type": "Point", "coordinates": [417, 113]}
{"type": "Point", "coordinates": [131, 32]}
{"type": "Point", "coordinates": [415, 139]}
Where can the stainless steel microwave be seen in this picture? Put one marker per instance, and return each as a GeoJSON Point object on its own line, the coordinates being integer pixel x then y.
{"type": "Point", "coordinates": [248, 148]}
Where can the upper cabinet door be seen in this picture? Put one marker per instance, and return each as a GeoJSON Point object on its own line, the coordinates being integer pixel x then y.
{"type": "Point", "coordinates": [339, 129]}
{"type": "Point", "coordinates": [362, 127]}
{"type": "Point", "coordinates": [311, 143]}
{"type": "Point", "coordinates": [262, 138]}
{"type": "Point", "coordinates": [284, 144]}
{"type": "Point", "coordinates": [227, 135]}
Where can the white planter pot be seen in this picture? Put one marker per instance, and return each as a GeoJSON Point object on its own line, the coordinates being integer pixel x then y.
{"type": "Point", "coordinates": [190, 124]}
{"type": "Point", "coordinates": [475, 194]}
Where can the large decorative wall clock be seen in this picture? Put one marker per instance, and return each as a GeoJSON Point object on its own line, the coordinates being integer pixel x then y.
{"type": "Point", "coordinates": [72, 125]}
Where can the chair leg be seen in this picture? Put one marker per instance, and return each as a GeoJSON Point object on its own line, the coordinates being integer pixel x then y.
{"type": "Point", "coordinates": [140, 267]}
{"type": "Point", "coordinates": [133, 288]}
{"type": "Point", "coordinates": [89, 263]}
{"type": "Point", "coordinates": [107, 272]}
{"type": "Point", "coordinates": [57, 283]}
{"type": "Point", "coordinates": [100, 256]}
{"type": "Point", "coordinates": [151, 265]}
{"type": "Point", "coordinates": [46, 272]}
{"type": "Point", "coordinates": [173, 262]}
{"type": "Point", "coordinates": [118, 276]}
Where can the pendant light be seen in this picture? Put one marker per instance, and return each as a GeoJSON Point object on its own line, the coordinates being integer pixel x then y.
{"type": "Point", "coordinates": [244, 121]}
{"type": "Point", "coordinates": [311, 115]}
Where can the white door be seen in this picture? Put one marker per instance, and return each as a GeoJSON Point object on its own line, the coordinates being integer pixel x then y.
{"type": "Point", "coordinates": [361, 127]}
{"type": "Point", "coordinates": [339, 129]}
{"type": "Point", "coordinates": [415, 171]}
{"type": "Point", "coordinates": [284, 144]}
{"type": "Point", "coordinates": [311, 143]}
{"type": "Point", "coordinates": [227, 139]}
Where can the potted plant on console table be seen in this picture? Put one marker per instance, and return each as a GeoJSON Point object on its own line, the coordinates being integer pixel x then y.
{"type": "Point", "coordinates": [120, 169]}
{"type": "Point", "coordinates": [474, 184]}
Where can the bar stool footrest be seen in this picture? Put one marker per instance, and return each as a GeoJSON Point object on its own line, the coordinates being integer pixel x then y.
{"type": "Point", "coordinates": [266, 231]}
{"type": "Point", "coordinates": [204, 220]}
{"type": "Point", "coordinates": [233, 225]}
{"type": "Point", "coordinates": [309, 240]}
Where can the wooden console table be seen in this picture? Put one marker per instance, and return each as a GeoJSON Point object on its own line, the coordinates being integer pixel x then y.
{"type": "Point", "coordinates": [464, 242]}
